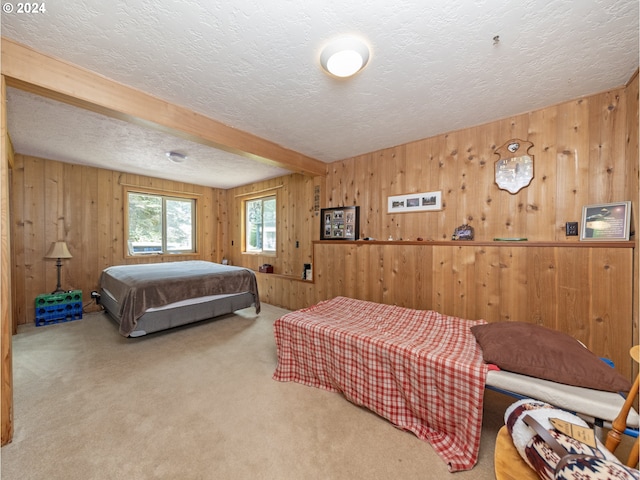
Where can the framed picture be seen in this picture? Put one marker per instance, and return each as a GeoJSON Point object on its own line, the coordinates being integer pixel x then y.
{"type": "Point", "coordinates": [414, 202]}
{"type": "Point", "coordinates": [606, 221]}
{"type": "Point", "coordinates": [341, 223]}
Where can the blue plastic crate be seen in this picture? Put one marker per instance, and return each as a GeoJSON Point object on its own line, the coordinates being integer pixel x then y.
{"type": "Point", "coordinates": [58, 307]}
{"type": "Point", "coordinates": [59, 310]}
{"type": "Point", "coordinates": [51, 318]}
{"type": "Point", "coordinates": [41, 322]}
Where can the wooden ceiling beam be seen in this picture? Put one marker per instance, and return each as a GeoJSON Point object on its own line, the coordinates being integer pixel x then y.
{"type": "Point", "coordinates": [34, 72]}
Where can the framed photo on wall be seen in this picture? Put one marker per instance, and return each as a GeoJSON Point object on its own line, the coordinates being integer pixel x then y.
{"type": "Point", "coordinates": [414, 202]}
{"type": "Point", "coordinates": [606, 221]}
{"type": "Point", "coordinates": [340, 223]}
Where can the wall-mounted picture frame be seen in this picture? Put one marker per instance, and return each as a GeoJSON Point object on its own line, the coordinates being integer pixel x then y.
{"type": "Point", "coordinates": [414, 202]}
{"type": "Point", "coordinates": [340, 223]}
{"type": "Point", "coordinates": [606, 221]}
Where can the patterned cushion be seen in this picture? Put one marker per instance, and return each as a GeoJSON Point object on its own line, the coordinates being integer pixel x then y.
{"type": "Point", "coordinates": [593, 468]}
{"type": "Point", "coordinates": [544, 460]}
{"type": "Point", "coordinates": [589, 463]}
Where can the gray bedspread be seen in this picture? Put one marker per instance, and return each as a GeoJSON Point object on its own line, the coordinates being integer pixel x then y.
{"type": "Point", "coordinates": [139, 287]}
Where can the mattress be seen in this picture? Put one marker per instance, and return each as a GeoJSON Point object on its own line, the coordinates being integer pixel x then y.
{"type": "Point", "coordinates": [132, 291]}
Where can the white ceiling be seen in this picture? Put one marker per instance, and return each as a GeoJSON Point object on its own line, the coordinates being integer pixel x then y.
{"type": "Point", "coordinates": [253, 65]}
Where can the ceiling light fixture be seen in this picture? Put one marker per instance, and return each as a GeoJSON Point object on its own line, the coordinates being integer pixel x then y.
{"type": "Point", "coordinates": [176, 157]}
{"type": "Point", "coordinates": [344, 56]}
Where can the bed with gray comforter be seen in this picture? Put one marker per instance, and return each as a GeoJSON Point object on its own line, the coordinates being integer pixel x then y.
{"type": "Point", "coordinates": [146, 298]}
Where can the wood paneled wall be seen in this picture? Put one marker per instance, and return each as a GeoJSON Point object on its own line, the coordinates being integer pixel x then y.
{"type": "Point", "coordinates": [85, 207]}
{"type": "Point", "coordinates": [586, 151]}
{"type": "Point", "coordinates": [6, 327]}
{"type": "Point", "coordinates": [633, 174]}
{"type": "Point", "coordinates": [296, 223]}
{"type": "Point", "coordinates": [580, 158]}
{"type": "Point", "coordinates": [576, 289]}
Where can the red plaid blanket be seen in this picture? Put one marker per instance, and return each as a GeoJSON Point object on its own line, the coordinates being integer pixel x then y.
{"type": "Point", "coordinates": [421, 370]}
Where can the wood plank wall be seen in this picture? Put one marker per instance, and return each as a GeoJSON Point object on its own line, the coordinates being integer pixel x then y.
{"type": "Point", "coordinates": [6, 330]}
{"type": "Point", "coordinates": [633, 174]}
{"type": "Point", "coordinates": [585, 150]}
{"type": "Point", "coordinates": [577, 290]}
{"type": "Point", "coordinates": [580, 158]}
{"type": "Point", "coordinates": [296, 223]}
{"type": "Point", "coordinates": [85, 207]}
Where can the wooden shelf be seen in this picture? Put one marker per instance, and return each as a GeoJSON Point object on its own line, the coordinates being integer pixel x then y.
{"type": "Point", "coordinates": [490, 243]}
{"type": "Point", "coordinates": [288, 277]}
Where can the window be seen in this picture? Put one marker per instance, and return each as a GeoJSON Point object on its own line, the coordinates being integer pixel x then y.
{"type": "Point", "coordinates": [260, 225]}
{"type": "Point", "coordinates": [160, 224]}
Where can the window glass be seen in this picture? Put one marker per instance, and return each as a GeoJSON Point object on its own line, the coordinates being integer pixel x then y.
{"type": "Point", "coordinates": [179, 215]}
{"type": "Point", "coordinates": [160, 224]}
{"type": "Point", "coordinates": [260, 227]}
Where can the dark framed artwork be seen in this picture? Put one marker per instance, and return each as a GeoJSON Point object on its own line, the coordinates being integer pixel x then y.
{"type": "Point", "coordinates": [340, 223]}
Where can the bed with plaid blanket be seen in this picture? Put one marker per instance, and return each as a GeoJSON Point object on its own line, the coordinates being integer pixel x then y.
{"type": "Point", "coordinates": [421, 370]}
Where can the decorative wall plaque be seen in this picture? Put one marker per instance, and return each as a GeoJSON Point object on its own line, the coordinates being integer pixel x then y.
{"type": "Point", "coordinates": [514, 170]}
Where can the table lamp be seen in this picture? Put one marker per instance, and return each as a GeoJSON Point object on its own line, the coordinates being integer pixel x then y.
{"type": "Point", "coordinates": [58, 251]}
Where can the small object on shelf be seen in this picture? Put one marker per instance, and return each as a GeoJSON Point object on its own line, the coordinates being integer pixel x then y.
{"type": "Point", "coordinates": [306, 272]}
{"type": "Point", "coordinates": [266, 268]}
{"type": "Point", "coordinates": [463, 232]}
{"type": "Point", "coordinates": [510, 239]}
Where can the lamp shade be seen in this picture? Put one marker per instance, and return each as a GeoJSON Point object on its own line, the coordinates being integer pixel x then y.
{"type": "Point", "coordinates": [58, 250]}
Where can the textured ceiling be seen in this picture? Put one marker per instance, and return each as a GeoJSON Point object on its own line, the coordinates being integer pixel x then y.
{"type": "Point", "coordinates": [253, 65]}
{"type": "Point", "coordinates": [48, 129]}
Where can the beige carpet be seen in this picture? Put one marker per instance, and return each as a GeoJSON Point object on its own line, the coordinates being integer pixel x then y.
{"type": "Point", "coordinates": [197, 403]}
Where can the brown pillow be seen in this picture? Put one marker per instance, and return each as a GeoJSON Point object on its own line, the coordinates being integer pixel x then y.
{"type": "Point", "coordinates": [548, 354]}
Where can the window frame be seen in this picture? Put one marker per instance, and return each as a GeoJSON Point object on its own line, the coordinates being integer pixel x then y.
{"type": "Point", "coordinates": [163, 194]}
{"type": "Point", "coordinates": [270, 253]}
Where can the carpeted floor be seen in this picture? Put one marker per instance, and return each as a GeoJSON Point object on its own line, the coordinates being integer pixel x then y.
{"type": "Point", "coordinates": [197, 402]}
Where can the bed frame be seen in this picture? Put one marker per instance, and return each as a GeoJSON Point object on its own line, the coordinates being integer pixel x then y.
{"type": "Point", "coordinates": [597, 407]}
{"type": "Point", "coordinates": [179, 313]}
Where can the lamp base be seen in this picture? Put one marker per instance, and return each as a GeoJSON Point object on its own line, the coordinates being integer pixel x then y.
{"type": "Point", "coordinates": [59, 285]}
